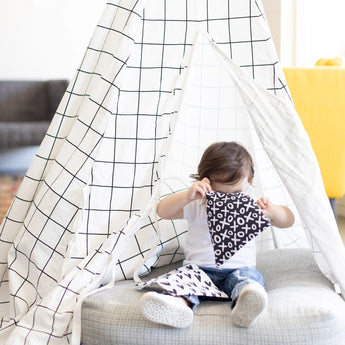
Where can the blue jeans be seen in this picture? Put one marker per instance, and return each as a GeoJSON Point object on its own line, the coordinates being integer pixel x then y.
{"type": "Point", "coordinates": [231, 281]}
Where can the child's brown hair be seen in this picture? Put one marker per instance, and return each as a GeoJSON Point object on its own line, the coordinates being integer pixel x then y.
{"type": "Point", "coordinates": [226, 162]}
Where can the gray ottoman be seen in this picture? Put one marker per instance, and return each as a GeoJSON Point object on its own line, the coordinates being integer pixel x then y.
{"type": "Point", "coordinates": [302, 309]}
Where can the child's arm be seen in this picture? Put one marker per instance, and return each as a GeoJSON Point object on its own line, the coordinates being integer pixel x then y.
{"type": "Point", "coordinates": [281, 216]}
{"type": "Point", "coordinates": [171, 207]}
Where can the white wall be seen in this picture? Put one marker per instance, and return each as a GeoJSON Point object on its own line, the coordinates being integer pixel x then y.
{"type": "Point", "coordinates": [273, 12]}
{"type": "Point", "coordinates": [281, 16]}
{"type": "Point", "coordinates": [320, 30]}
{"type": "Point", "coordinates": [306, 30]}
{"type": "Point", "coordinates": [45, 39]}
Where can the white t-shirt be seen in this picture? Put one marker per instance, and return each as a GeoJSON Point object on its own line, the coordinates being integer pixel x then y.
{"type": "Point", "coordinates": [199, 249]}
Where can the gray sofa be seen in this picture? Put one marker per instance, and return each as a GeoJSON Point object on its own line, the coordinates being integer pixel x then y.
{"type": "Point", "coordinates": [26, 109]}
{"type": "Point", "coordinates": [303, 309]}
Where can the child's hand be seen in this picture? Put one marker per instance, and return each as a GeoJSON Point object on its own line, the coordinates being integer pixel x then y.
{"type": "Point", "coordinates": [171, 207]}
{"type": "Point", "coordinates": [199, 189]}
{"type": "Point", "coordinates": [266, 206]}
{"type": "Point", "coordinates": [281, 216]}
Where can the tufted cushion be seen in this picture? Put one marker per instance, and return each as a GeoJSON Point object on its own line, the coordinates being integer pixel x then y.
{"type": "Point", "coordinates": [303, 309]}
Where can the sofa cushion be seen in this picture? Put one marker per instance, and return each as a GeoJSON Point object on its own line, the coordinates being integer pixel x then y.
{"type": "Point", "coordinates": [13, 134]}
{"type": "Point", "coordinates": [26, 110]}
{"type": "Point", "coordinates": [23, 101]}
{"type": "Point", "coordinates": [302, 309]}
{"type": "Point", "coordinates": [55, 91]}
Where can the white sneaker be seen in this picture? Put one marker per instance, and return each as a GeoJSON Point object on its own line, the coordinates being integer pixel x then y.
{"type": "Point", "coordinates": [166, 309]}
{"type": "Point", "coordinates": [250, 304]}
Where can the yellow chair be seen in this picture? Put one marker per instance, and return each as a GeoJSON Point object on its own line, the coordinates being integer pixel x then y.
{"type": "Point", "coordinates": [319, 97]}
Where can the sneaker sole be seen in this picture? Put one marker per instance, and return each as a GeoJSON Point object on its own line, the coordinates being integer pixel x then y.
{"type": "Point", "coordinates": [156, 308]}
{"type": "Point", "coordinates": [250, 304]}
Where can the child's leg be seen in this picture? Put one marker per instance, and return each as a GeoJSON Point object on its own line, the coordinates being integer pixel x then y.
{"type": "Point", "coordinates": [166, 309]}
{"type": "Point", "coordinates": [245, 286]}
{"type": "Point", "coordinates": [239, 278]}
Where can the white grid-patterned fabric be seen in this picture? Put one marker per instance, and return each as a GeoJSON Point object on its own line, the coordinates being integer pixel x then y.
{"type": "Point", "coordinates": [158, 83]}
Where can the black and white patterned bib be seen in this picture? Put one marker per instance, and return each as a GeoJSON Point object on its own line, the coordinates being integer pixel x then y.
{"type": "Point", "coordinates": [188, 280]}
{"type": "Point", "coordinates": [233, 220]}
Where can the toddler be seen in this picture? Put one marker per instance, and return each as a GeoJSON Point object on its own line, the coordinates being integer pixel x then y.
{"type": "Point", "coordinates": [225, 167]}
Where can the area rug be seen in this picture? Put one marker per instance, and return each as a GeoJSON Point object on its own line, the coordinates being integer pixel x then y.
{"type": "Point", "coordinates": [8, 188]}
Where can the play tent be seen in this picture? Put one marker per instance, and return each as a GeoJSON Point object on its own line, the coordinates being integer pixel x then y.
{"type": "Point", "coordinates": [159, 82]}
